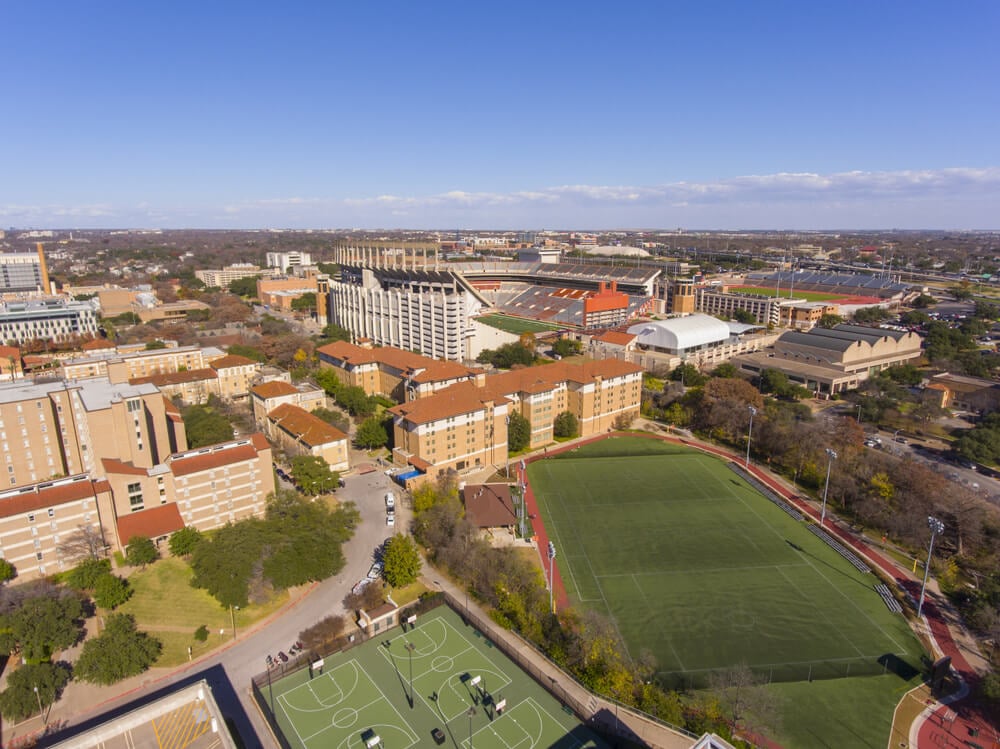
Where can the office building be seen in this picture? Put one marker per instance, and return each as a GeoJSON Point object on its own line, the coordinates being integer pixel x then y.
{"type": "Point", "coordinates": [56, 320]}
{"type": "Point", "coordinates": [282, 261]}
{"type": "Point", "coordinates": [24, 272]}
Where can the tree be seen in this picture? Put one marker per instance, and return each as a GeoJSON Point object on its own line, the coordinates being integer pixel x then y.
{"type": "Point", "coordinates": [744, 316]}
{"type": "Point", "coordinates": [7, 571]}
{"type": "Point", "coordinates": [305, 303]}
{"type": "Point", "coordinates": [245, 287]}
{"type": "Point", "coordinates": [119, 652]}
{"type": "Point", "coordinates": [205, 426]}
{"type": "Point", "coordinates": [155, 345]}
{"type": "Point", "coordinates": [141, 551]}
{"type": "Point", "coordinates": [923, 301]}
{"type": "Point", "coordinates": [567, 347]}
{"type": "Point", "coordinates": [19, 700]}
{"type": "Point", "coordinates": [111, 591]}
{"type": "Point", "coordinates": [239, 349]}
{"type": "Point", "coordinates": [334, 332]}
{"type": "Point", "coordinates": [566, 425]}
{"type": "Point", "coordinates": [355, 400]}
{"type": "Point", "coordinates": [401, 561]}
{"type": "Point", "coordinates": [507, 356]}
{"type": "Point", "coordinates": [746, 699]}
{"type": "Point", "coordinates": [688, 374]}
{"type": "Point", "coordinates": [183, 542]}
{"type": "Point", "coordinates": [323, 633]}
{"type": "Point", "coordinates": [870, 315]}
{"type": "Point", "coordinates": [371, 434]}
{"type": "Point", "coordinates": [201, 634]}
{"type": "Point", "coordinates": [333, 418]}
{"type": "Point", "coordinates": [518, 432]}
{"type": "Point", "coordinates": [829, 320]}
{"type": "Point", "coordinates": [86, 574]}
{"type": "Point", "coordinates": [623, 421]}
{"type": "Point", "coordinates": [47, 621]}
{"type": "Point", "coordinates": [313, 475]}
{"type": "Point", "coordinates": [86, 542]}
{"type": "Point", "coordinates": [725, 370]}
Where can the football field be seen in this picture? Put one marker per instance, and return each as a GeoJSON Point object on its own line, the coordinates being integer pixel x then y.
{"type": "Point", "coordinates": [700, 570]}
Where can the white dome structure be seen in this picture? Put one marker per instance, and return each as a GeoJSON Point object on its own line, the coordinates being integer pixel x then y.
{"type": "Point", "coordinates": [681, 335]}
{"type": "Point", "coordinates": [612, 250]}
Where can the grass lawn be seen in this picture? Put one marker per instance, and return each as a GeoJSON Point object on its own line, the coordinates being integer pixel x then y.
{"type": "Point", "coordinates": [809, 296]}
{"type": "Point", "coordinates": [409, 593]}
{"type": "Point", "coordinates": [517, 325]}
{"type": "Point", "coordinates": [699, 569]}
{"type": "Point", "coordinates": [164, 604]}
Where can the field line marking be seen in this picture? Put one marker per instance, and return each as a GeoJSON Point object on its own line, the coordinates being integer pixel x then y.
{"type": "Point", "coordinates": [699, 570]}
{"type": "Point", "coordinates": [670, 641]}
{"type": "Point", "coordinates": [806, 599]}
{"type": "Point", "coordinates": [289, 719]}
{"type": "Point", "coordinates": [402, 721]}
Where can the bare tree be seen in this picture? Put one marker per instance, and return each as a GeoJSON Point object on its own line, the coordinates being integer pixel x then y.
{"type": "Point", "coordinates": [86, 542]}
{"type": "Point", "coordinates": [745, 696]}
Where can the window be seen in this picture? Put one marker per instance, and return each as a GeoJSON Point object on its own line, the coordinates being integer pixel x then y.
{"type": "Point", "coordinates": [31, 517]}
{"type": "Point", "coordinates": [38, 556]}
{"type": "Point", "coordinates": [135, 496]}
{"type": "Point", "coordinates": [52, 512]}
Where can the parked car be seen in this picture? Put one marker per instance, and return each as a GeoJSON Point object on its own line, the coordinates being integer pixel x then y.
{"type": "Point", "coordinates": [390, 501]}
{"type": "Point", "coordinates": [390, 519]}
{"type": "Point", "coordinates": [283, 657]}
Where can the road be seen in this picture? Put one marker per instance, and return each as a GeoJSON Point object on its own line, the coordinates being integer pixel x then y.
{"type": "Point", "coordinates": [229, 671]}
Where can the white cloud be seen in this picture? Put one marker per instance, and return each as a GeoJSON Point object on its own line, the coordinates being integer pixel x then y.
{"type": "Point", "coordinates": [956, 197]}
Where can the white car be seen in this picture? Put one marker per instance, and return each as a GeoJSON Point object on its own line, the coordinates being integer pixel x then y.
{"type": "Point", "coordinates": [390, 501]}
{"type": "Point", "coordinates": [390, 519]}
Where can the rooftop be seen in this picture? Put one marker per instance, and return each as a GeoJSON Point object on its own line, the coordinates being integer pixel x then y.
{"type": "Point", "coordinates": [306, 428]}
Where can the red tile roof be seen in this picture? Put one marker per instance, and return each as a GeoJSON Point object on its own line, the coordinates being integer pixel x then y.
{"type": "Point", "coordinates": [489, 505]}
{"type": "Point", "coordinates": [616, 337]}
{"type": "Point", "coordinates": [112, 465]}
{"type": "Point", "coordinates": [96, 344]}
{"type": "Point", "coordinates": [421, 368]}
{"type": "Point", "coordinates": [273, 389]}
{"type": "Point", "coordinates": [151, 523]}
{"type": "Point", "coordinates": [305, 427]}
{"type": "Point", "coordinates": [209, 458]}
{"type": "Point", "coordinates": [232, 360]}
{"type": "Point", "coordinates": [26, 500]}
{"type": "Point", "coordinates": [176, 378]}
{"type": "Point", "coordinates": [463, 398]}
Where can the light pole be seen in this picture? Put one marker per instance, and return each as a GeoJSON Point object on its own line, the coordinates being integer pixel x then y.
{"type": "Point", "coordinates": [41, 713]}
{"type": "Point", "coordinates": [753, 412]}
{"type": "Point", "coordinates": [832, 454]}
{"type": "Point", "coordinates": [471, 712]}
{"type": "Point", "coordinates": [552, 556]}
{"type": "Point", "coordinates": [410, 647]}
{"type": "Point", "coordinates": [936, 527]}
{"type": "Point", "coordinates": [232, 615]}
{"type": "Point", "coordinates": [859, 413]}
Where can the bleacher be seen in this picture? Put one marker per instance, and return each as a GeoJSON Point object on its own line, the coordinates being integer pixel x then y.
{"type": "Point", "coordinates": [838, 547]}
{"type": "Point", "coordinates": [766, 491]}
{"type": "Point", "coordinates": [890, 601]}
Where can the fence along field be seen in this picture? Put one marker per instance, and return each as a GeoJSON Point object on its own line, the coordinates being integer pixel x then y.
{"type": "Point", "coordinates": [699, 569]}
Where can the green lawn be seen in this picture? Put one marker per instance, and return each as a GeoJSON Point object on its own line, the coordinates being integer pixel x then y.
{"type": "Point", "coordinates": [383, 688]}
{"type": "Point", "coordinates": [809, 296]}
{"type": "Point", "coordinates": [697, 568]}
{"type": "Point", "coordinates": [165, 605]}
{"type": "Point", "coordinates": [517, 325]}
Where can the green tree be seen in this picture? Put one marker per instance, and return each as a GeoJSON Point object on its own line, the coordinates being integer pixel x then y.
{"type": "Point", "coordinates": [224, 564]}
{"type": "Point", "coordinates": [744, 316]}
{"type": "Point", "coordinates": [111, 591]}
{"type": "Point", "coordinates": [923, 301]}
{"type": "Point", "coordinates": [725, 370]}
{"type": "Point", "coordinates": [47, 621]}
{"type": "Point", "coordinates": [689, 375]}
{"type": "Point", "coordinates": [119, 652]}
{"type": "Point", "coordinates": [518, 432]}
{"type": "Point", "coordinates": [239, 349]}
{"type": "Point", "coordinates": [86, 574]}
{"type": "Point", "coordinates": [566, 425]}
{"type": "Point", "coordinates": [333, 418]}
{"type": "Point", "coordinates": [182, 542]}
{"type": "Point", "coordinates": [870, 315]}
{"type": "Point", "coordinates": [19, 700]}
{"type": "Point", "coordinates": [155, 345]}
{"type": "Point", "coordinates": [305, 303]}
{"type": "Point", "coordinates": [371, 434]}
{"type": "Point", "coordinates": [205, 426]}
{"type": "Point", "coordinates": [7, 571]}
{"type": "Point", "coordinates": [313, 475]}
{"type": "Point", "coordinates": [334, 332]}
{"type": "Point", "coordinates": [201, 634]}
{"type": "Point", "coordinates": [829, 320]}
{"type": "Point", "coordinates": [567, 347]}
{"type": "Point", "coordinates": [355, 400]}
{"type": "Point", "coordinates": [401, 561]}
{"type": "Point", "coordinates": [141, 551]}
{"type": "Point", "coordinates": [507, 356]}
{"type": "Point", "coordinates": [245, 287]}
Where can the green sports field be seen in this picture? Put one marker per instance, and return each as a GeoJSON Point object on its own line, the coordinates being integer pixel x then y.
{"type": "Point", "coordinates": [365, 692]}
{"type": "Point", "coordinates": [809, 296]}
{"type": "Point", "coordinates": [699, 569]}
{"type": "Point", "coordinates": [517, 325]}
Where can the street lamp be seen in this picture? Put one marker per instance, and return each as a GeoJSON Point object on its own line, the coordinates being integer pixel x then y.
{"type": "Point", "coordinates": [470, 712]}
{"type": "Point", "coordinates": [552, 556]}
{"type": "Point", "coordinates": [833, 456]}
{"type": "Point", "coordinates": [232, 615]}
{"type": "Point", "coordinates": [753, 412]}
{"type": "Point", "coordinates": [859, 413]}
{"type": "Point", "coordinates": [41, 712]}
{"type": "Point", "coordinates": [937, 527]}
{"type": "Point", "coordinates": [410, 647]}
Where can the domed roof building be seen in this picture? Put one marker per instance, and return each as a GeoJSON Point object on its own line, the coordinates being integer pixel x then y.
{"type": "Point", "coordinates": [681, 335]}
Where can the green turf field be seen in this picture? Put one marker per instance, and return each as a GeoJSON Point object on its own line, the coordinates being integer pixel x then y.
{"type": "Point", "coordinates": [365, 692]}
{"type": "Point", "coordinates": [809, 296]}
{"type": "Point", "coordinates": [699, 569]}
{"type": "Point", "coordinates": [517, 325]}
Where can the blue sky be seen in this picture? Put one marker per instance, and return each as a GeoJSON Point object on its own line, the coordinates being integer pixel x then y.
{"type": "Point", "coordinates": [535, 114]}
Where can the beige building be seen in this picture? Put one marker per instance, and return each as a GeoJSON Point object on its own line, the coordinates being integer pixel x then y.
{"type": "Point", "coordinates": [267, 396]}
{"type": "Point", "coordinates": [236, 374]}
{"type": "Point", "coordinates": [298, 432]}
{"type": "Point", "coordinates": [222, 277]}
{"type": "Point", "coordinates": [393, 372]}
{"type": "Point", "coordinates": [172, 310]}
{"type": "Point", "coordinates": [192, 386]}
{"type": "Point", "coordinates": [130, 362]}
{"type": "Point", "coordinates": [832, 360]}
{"type": "Point", "coordinates": [465, 425]}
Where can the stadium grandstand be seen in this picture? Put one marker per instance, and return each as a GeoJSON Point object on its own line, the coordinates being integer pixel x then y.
{"type": "Point", "coordinates": [847, 284]}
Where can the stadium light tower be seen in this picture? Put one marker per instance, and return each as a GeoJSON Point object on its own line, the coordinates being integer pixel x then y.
{"type": "Point", "coordinates": [753, 412]}
{"type": "Point", "coordinates": [937, 528]}
{"type": "Point", "coordinates": [832, 455]}
{"type": "Point", "coordinates": [552, 556]}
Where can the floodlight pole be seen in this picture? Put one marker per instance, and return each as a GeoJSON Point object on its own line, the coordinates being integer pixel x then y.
{"type": "Point", "coordinates": [41, 713]}
{"type": "Point", "coordinates": [859, 413]}
{"type": "Point", "coordinates": [753, 412]}
{"type": "Point", "coordinates": [832, 455]}
{"type": "Point", "coordinates": [937, 527]}
{"type": "Point", "coordinates": [471, 712]}
{"type": "Point", "coordinates": [410, 647]}
{"type": "Point", "coordinates": [552, 556]}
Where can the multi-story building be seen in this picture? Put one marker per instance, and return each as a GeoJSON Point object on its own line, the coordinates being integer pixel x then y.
{"type": "Point", "coordinates": [128, 362]}
{"type": "Point", "coordinates": [766, 310]}
{"type": "Point", "coordinates": [419, 310]}
{"type": "Point", "coordinates": [56, 320]}
{"type": "Point", "coordinates": [298, 432]}
{"type": "Point", "coordinates": [386, 370]}
{"type": "Point", "coordinates": [267, 396]}
{"type": "Point", "coordinates": [222, 277]}
{"type": "Point", "coordinates": [606, 307]}
{"type": "Point", "coordinates": [465, 425]}
{"type": "Point", "coordinates": [24, 272]}
{"type": "Point", "coordinates": [236, 374]}
{"type": "Point", "coordinates": [191, 386]}
{"type": "Point", "coordinates": [282, 261]}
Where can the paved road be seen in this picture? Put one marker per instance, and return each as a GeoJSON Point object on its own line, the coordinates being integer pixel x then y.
{"type": "Point", "coordinates": [229, 671]}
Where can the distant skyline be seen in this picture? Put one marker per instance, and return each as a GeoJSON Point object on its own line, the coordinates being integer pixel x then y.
{"type": "Point", "coordinates": [447, 115]}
